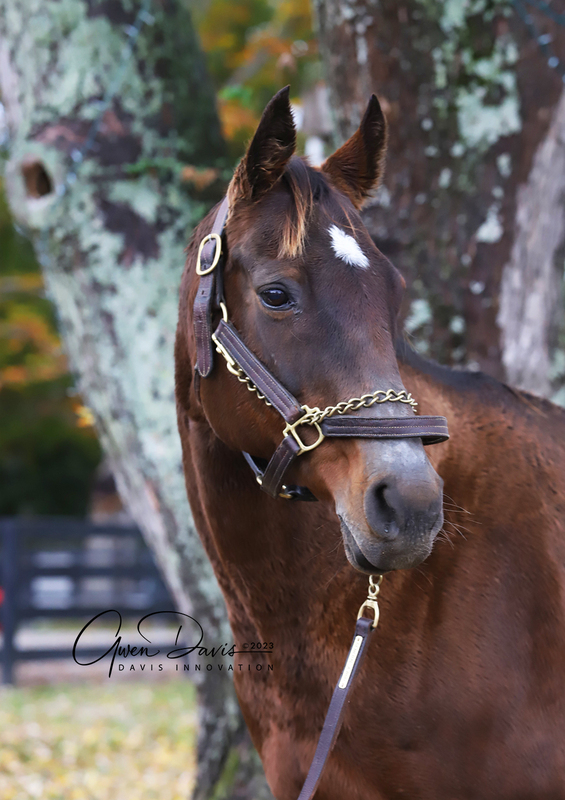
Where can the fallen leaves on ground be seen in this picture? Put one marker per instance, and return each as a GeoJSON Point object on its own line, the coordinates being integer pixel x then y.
{"type": "Point", "coordinates": [120, 742]}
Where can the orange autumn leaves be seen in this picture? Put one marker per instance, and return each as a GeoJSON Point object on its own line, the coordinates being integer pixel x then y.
{"type": "Point", "coordinates": [252, 50]}
{"type": "Point", "coordinates": [30, 349]}
{"type": "Point", "coordinates": [31, 353]}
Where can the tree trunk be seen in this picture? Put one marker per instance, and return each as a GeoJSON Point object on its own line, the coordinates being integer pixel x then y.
{"type": "Point", "coordinates": [110, 226]}
{"type": "Point", "coordinates": [471, 210]}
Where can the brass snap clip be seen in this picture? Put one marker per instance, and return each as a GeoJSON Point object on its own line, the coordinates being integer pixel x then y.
{"type": "Point", "coordinates": [211, 237]}
{"type": "Point", "coordinates": [230, 362]}
{"type": "Point", "coordinates": [371, 601]}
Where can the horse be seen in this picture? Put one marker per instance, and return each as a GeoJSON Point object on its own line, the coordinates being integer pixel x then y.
{"type": "Point", "coordinates": [461, 694]}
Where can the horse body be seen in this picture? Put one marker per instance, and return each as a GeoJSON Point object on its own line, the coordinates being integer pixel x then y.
{"type": "Point", "coordinates": [461, 694]}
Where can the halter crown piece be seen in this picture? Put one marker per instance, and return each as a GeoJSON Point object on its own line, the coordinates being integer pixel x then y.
{"type": "Point", "coordinates": [245, 366]}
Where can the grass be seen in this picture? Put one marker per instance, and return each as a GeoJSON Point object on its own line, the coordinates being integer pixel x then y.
{"type": "Point", "coordinates": [126, 741]}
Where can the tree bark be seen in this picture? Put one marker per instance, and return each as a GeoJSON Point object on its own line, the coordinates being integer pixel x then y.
{"type": "Point", "coordinates": [110, 230]}
{"type": "Point", "coordinates": [474, 184]}
{"type": "Point", "coordinates": [530, 292]}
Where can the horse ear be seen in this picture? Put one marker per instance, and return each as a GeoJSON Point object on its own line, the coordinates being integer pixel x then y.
{"type": "Point", "coordinates": [357, 167]}
{"type": "Point", "coordinates": [269, 152]}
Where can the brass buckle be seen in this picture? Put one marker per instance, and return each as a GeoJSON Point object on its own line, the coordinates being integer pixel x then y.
{"type": "Point", "coordinates": [217, 253]}
{"type": "Point", "coordinates": [304, 448]}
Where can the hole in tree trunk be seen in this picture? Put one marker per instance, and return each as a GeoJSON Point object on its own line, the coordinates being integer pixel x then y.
{"type": "Point", "coordinates": [37, 180]}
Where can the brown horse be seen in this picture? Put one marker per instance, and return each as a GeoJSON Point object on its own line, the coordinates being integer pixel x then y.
{"type": "Point", "coordinates": [462, 692]}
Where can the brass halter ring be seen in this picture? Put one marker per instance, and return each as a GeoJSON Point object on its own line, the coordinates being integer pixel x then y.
{"type": "Point", "coordinates": [211, 237]}
{"type": "Point", "coordinates": [291, 430]}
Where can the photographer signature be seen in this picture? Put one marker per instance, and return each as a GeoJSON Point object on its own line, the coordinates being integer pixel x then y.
{"type": "Point", "coordinates": [117, 648]}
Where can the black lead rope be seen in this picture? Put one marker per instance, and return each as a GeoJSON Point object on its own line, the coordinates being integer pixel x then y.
{"type": "Point", "coordinates": [334, 717]}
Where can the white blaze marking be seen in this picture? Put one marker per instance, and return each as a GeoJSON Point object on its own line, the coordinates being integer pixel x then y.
{"type": "Point", "coordinates": [346, 248]}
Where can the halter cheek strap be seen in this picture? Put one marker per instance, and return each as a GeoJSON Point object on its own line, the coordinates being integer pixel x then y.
{"type": "Point", "coordinates": [209, 254]}
{"type": "Point", "coordinates": [247, 368]}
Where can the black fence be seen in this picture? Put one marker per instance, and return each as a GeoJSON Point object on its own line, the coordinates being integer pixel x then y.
{"type": "Point", "coordinates": [60, 568]}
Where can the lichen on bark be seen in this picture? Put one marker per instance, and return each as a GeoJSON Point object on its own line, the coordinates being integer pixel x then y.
{"type": "Point", "coordinates": [469, 99]}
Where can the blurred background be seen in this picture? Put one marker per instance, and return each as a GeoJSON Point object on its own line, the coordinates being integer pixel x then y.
{"type": "Point", "coordinates": [120, 125]}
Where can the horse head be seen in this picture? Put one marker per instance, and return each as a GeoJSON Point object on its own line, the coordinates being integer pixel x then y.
{"type": "Point", "coordinates": [317, 303]}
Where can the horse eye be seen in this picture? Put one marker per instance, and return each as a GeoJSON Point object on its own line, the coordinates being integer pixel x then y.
{"type": "Point", "coordinates": [274, 297]}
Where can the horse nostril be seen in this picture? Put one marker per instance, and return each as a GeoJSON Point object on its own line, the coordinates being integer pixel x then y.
{"type": "Point", "coordinates": [380, 511]}
{"type": "Point", "coordinates": [407, 506]}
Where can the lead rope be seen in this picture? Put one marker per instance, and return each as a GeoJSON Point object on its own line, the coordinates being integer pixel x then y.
{"type": "Point", "coordinates": [334, 718]}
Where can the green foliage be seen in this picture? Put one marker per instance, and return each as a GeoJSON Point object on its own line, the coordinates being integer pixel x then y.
{"type": "Point", "coordinates": [47, 461]}
{"type": "Point", "coordinates": [225, 28]}
{"type": "Point", "coordinates": [253, 49]}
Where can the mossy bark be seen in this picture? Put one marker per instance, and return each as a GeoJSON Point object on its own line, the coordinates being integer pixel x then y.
{"type": "Point", "coordinates": [110, 230]}
{"type": "Point", "coordinates": [471, 103]}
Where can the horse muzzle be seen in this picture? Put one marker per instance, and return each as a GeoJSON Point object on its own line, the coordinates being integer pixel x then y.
{"type": "Point", "coordinates": [392, 520]}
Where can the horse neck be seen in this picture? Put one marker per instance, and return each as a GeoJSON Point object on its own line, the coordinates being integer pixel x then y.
{"type": "Point", "coordinates": [275, 557]}
{"type": "Point", "coordinates": [501, 442]}
{"type": "Point", "coordinates": [272, 557]}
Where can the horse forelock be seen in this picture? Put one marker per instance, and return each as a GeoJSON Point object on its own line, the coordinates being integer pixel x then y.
{"type": "Point", "coordinates": [298, 178]}
{"type": "Point", "coordinates": [305, 188]}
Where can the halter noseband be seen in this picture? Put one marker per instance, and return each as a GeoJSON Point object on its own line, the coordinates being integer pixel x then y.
{"type": "Point", "coordinates": [244, 365]}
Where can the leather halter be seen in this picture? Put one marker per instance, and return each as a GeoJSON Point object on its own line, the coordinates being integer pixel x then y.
{"type": "Point", "coordinates": [242, 363]}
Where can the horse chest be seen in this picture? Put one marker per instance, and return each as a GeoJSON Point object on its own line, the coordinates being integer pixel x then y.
{"type": "Point", "coordinates": [425, 720]}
